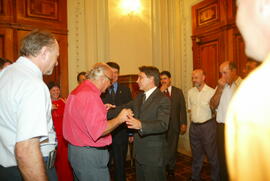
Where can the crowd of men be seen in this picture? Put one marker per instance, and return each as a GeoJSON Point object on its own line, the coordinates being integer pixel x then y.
{"type": "Point", "coordinates": [100, 115]}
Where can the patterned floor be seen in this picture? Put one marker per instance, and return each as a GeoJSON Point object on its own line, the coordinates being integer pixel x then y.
{"type": "Point", "coordinates": [183, 170]}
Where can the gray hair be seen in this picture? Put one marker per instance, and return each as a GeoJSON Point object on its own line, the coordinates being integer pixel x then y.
{"type": "Point", "coordinates": [97, 71]}
{"type": "Point", "coordinates": [32, 43]}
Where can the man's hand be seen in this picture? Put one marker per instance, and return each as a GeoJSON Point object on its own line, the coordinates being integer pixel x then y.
{"type": "Point", "coordinates": [109, 106]}
{"type": "Point", "coordinates": [183, 129]}
{"type": "Point", "coordinates": [221, 82]}
{"type": "Point", "coordinates": [133, 123]}
{"type": "Point", "coordinates": [163, 87]}
{"type": "Point", "coordinates": [124, 115]}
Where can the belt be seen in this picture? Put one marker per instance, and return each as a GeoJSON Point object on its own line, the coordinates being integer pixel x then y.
{"type": "Point", "coordinates": [203, 122]}
{"type": "Point", "coordinates": [97, 148]}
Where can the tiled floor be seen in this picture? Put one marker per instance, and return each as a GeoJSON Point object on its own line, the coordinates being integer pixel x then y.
{"type": "Point", "coordinates": [182, 171]}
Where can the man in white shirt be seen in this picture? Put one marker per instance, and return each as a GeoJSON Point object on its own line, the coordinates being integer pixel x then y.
{"type": "Point", "coordinates": [227, 85]}
{"type": "Point", "coordinates": [248, 118]}
{"type": "Point", "coordinates": [27, 135]}
{"type": "Point", "coordinates": [202, 131]}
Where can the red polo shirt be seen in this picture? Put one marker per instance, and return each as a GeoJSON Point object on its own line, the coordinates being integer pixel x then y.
{"type": "Point", "coordinates": [85, 117]}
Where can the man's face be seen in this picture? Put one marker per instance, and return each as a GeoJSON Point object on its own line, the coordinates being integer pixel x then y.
{"type": "Point", "coordinates": [251, 24]}
{"type": "Point", "coordinates": [144, 82]}
{"type": "Point", "coordinates": [51, 57]}
{"type": "Point", "coordinates": [55, 92]}
{"type": "Point", "coordinates": [226, 73]}
{"type": "Point", "coordinates": [115, 74]}
{"type": "Point", "coordinates": [107, 81]}
{"type": "Point", "coordinates": [197, 79]}
{"type": "Point", "coordinates": [165, 80]}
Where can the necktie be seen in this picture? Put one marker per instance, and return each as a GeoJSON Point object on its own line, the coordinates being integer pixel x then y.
{"type": "Point", "coordinates": [144, 98]}
{"type": "Point", "coordinates": [112, 94]}
{"type": "Point", "coordinates": [166, 93]}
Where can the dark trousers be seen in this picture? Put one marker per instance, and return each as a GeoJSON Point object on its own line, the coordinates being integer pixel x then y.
{"type": "Point", "coordinates": [13, 173]}
{"type": "Point", "coordinates": [172, 140]}
{"type": "Point", "coordinates": [119, 154]}
{"type": "Point", "coordinates": [150, 172]}
{"type": "Point", "coordinates": [221, 152]}
{"type": "Point", "coordinates": [203, 142]}
{"type": "Point", "coordinates": [89, 163]}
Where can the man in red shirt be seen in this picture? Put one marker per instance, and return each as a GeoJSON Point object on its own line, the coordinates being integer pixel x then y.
{"type": "Point", "coordinates": [86, 128]}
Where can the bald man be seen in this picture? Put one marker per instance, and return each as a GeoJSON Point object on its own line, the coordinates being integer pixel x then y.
{"type": "Point", "coordinates": [202, 132]}
{"type": "Point", "coordinates": [227, 85]}
{"type": "Point", "coordinates": [248, 118]}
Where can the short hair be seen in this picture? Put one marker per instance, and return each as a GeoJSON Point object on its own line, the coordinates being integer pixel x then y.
{"type": "Point", "coordinates": [113, 65]}
{"type": "Point", "coordinates": [98, 70]}
{"type": "Point", "coordinates": [232, 65]}
{"type": "Point", "coordinates": [3, 61]}
{"type": "Point", "coordinates": [32, 43]}
{"type": "Point", "coordinates": [53, 84]}
{"type": "Point", "coordinates": [167, 73]}
{"type": "Point", "coordinates": [151, 71]}
{"type": "Point", "coordinates": [79, 74]}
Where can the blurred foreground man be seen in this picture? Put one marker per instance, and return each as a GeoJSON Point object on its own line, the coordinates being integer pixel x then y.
{"type": "Point", "coordinates": [248, 118]}
{"type": "Point", "coordinates": [27, 137]}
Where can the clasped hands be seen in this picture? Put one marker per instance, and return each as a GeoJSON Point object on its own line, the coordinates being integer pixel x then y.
{"type": "Point", "coordinates": [127, 116]}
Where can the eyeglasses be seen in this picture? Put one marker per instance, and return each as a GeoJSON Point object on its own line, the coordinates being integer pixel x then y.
{"type": "Point", "coordinates": [110, 79]}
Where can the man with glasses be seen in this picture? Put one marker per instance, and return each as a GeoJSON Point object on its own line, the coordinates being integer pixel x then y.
{"type": "Point", "coordinates": [86, 127]}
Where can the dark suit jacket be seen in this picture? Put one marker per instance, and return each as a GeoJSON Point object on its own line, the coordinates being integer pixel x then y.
{"type": "Point", "coordinates": [122, 96]}
{"type": "Point", "coordinates": [178, 114]}
{"type": "Point", "coordinates": [150, 143]}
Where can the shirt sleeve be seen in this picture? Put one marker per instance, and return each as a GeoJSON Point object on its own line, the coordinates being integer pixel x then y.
{"type": "Point", "coordinates": [31, 115]}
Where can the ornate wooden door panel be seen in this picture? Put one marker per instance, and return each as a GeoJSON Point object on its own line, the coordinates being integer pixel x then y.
{"type": "Point", "coordinates": [50, 14]}
{"type": "Point", "coordinates": [6, 43]}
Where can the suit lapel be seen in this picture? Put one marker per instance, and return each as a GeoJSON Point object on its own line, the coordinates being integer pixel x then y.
{"type": "Point", "coordinates": [150, 99]}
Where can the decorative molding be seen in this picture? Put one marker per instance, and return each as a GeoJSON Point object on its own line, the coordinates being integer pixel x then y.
{"type": "Point", "coordinates": [207, 15]}
{"type": "Point", "coordinates": [43, 9]}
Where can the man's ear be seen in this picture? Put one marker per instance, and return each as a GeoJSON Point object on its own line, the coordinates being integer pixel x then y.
{"type": "Point", "coordinates": [43, 51]}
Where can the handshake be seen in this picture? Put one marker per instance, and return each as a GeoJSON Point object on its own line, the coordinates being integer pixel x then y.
{"type": "Point", "coordinates": [126, 115]}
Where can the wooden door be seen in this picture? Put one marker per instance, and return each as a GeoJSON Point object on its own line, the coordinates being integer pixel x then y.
{"type": "Point", "coordinates": [60, 73]}
{"type": "Point", "coordinates": [208, 53]}
{"type": "Point", "coordinates": [6, 43]}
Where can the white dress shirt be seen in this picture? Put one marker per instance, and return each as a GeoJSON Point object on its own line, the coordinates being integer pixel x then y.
{"type": "Point", "coordinates": [149, 92]}
{"type": "Point", "coordinates": [198, 103]}
{"type": "Point", "coordinates": [225, 99]}
{"type": "Point", "coordinates": [25, 109]}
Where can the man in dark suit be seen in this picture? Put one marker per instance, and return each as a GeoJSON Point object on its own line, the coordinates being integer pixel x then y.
{"type": "Point", "coordinates": [178, 118]}
{"type": "Point", "coordinates": [151, 118]}
{"type": "Point", "coordinates": [117, 94]}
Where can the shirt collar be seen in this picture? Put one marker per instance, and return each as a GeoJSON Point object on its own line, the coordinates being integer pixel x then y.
{"type": "Point", "coordinates": [28, 63]}
{"type": "Point", "coordinates": [149, 92]}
